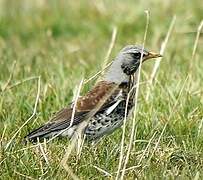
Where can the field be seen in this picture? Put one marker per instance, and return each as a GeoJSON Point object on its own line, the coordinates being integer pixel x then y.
{"type": "Point", "coordinates": [47, 47]}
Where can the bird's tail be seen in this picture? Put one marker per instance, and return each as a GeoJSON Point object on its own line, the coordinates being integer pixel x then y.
{"type": "Point", "coordinates": [45, 131]}
{"type": "Point", "coordinates": [59, 125]}
{"type": "Point", "coordinates": [40, 133]}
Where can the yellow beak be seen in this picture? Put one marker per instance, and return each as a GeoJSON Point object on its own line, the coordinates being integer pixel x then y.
{"type": "Point", "coordinates": [152, 55]}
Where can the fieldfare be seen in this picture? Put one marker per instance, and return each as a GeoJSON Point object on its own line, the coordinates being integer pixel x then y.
{"type": "Point", "coordinates": [107, 100]}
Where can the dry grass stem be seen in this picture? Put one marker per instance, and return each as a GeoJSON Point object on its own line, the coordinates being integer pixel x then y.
{"type": "Point", "coordinates": [73, 112]}
{"type": "Point", "coordinates": [76, 139]}
{"type": "Point", "coordinates": [169, 117]}
{"type": "Point", "coordinates": [147, 147]}
{"type": "Point", "coordinates": [105, 64]}
{"type": "Point", "coordinates": [69, 149]}
{"type": "Point", "coordinates": [136, 98]}
{"type": "Point", "coordinates": [97, 74]}
{"type": "Point", "coordinates": [162, 50]}
{"type": "Point", "coordinates": [43, 153]}
{"type": "Point", "coordinates": [24, 176]}
{"type": "Point", "coordinates": [2, 136]}
{"type": "Point", "coordinates": [111, 45]}
{"type": "Point", "coordinates": [200, 127]}
{"type": "Point", "coordinates": [80, 146]}
{"type": "Point", "coordinates": [103, 171]}
{"type": "Point", "coordinates": [123, 132]}
{"type": "Point", "coordinates": [75, 103]}
{"type": "Point", "coordinates": [10, 77]}
{"type": "Point", "coordinates": [33, 114]}
{"type": "Point", "coordinates": [128, 169]}
{"type": "Point", "coordinates": [195, 44]}
{"type": "Point", "coordinates": [20, 82]}
{"type": "Point", "coordinates": [75, 142]}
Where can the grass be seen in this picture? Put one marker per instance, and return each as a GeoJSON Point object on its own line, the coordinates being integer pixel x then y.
{"type": "Point", "coordinates": [64, 41]}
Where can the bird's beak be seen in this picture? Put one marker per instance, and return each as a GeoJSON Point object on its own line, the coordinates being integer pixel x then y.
{"type": "Point", "coordinates": [152, 55]}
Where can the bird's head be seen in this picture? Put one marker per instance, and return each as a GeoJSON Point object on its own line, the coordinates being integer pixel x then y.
{"type": "Point", "coordinates": [130, 57]}
{"type": "Point", "coordinates": [127, 63]}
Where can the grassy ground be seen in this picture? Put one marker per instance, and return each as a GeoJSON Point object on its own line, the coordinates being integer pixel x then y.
{"type": "Point", "coordinates": [63, 41]}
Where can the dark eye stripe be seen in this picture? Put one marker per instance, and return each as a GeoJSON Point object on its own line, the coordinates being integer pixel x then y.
{"type": "Point", "coordinates": [136, 55]}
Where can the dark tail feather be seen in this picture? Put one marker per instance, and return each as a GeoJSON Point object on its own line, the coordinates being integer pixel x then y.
{"type": "Point", "coordinates": [42, 132]}
{"type": "Point", "coordinates": [53, 127]}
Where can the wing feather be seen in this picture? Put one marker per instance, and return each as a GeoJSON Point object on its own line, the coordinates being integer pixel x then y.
{"type": "Point", "coordinates": [84, 106]}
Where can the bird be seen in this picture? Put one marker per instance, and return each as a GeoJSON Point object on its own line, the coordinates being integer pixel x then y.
{"type": "Point", "coordinates": [104, 106]}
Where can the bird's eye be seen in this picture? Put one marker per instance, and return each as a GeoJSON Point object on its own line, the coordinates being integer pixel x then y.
{"type": "Point", "coordinates": [136, 55]}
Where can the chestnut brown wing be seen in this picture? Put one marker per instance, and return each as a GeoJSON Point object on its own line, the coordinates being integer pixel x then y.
{"type": "Point", "coordinates": [84, 106]}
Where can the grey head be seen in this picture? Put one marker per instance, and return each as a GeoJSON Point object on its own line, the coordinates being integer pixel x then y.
{"type": "Point", "coordinates": [127, 63]}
